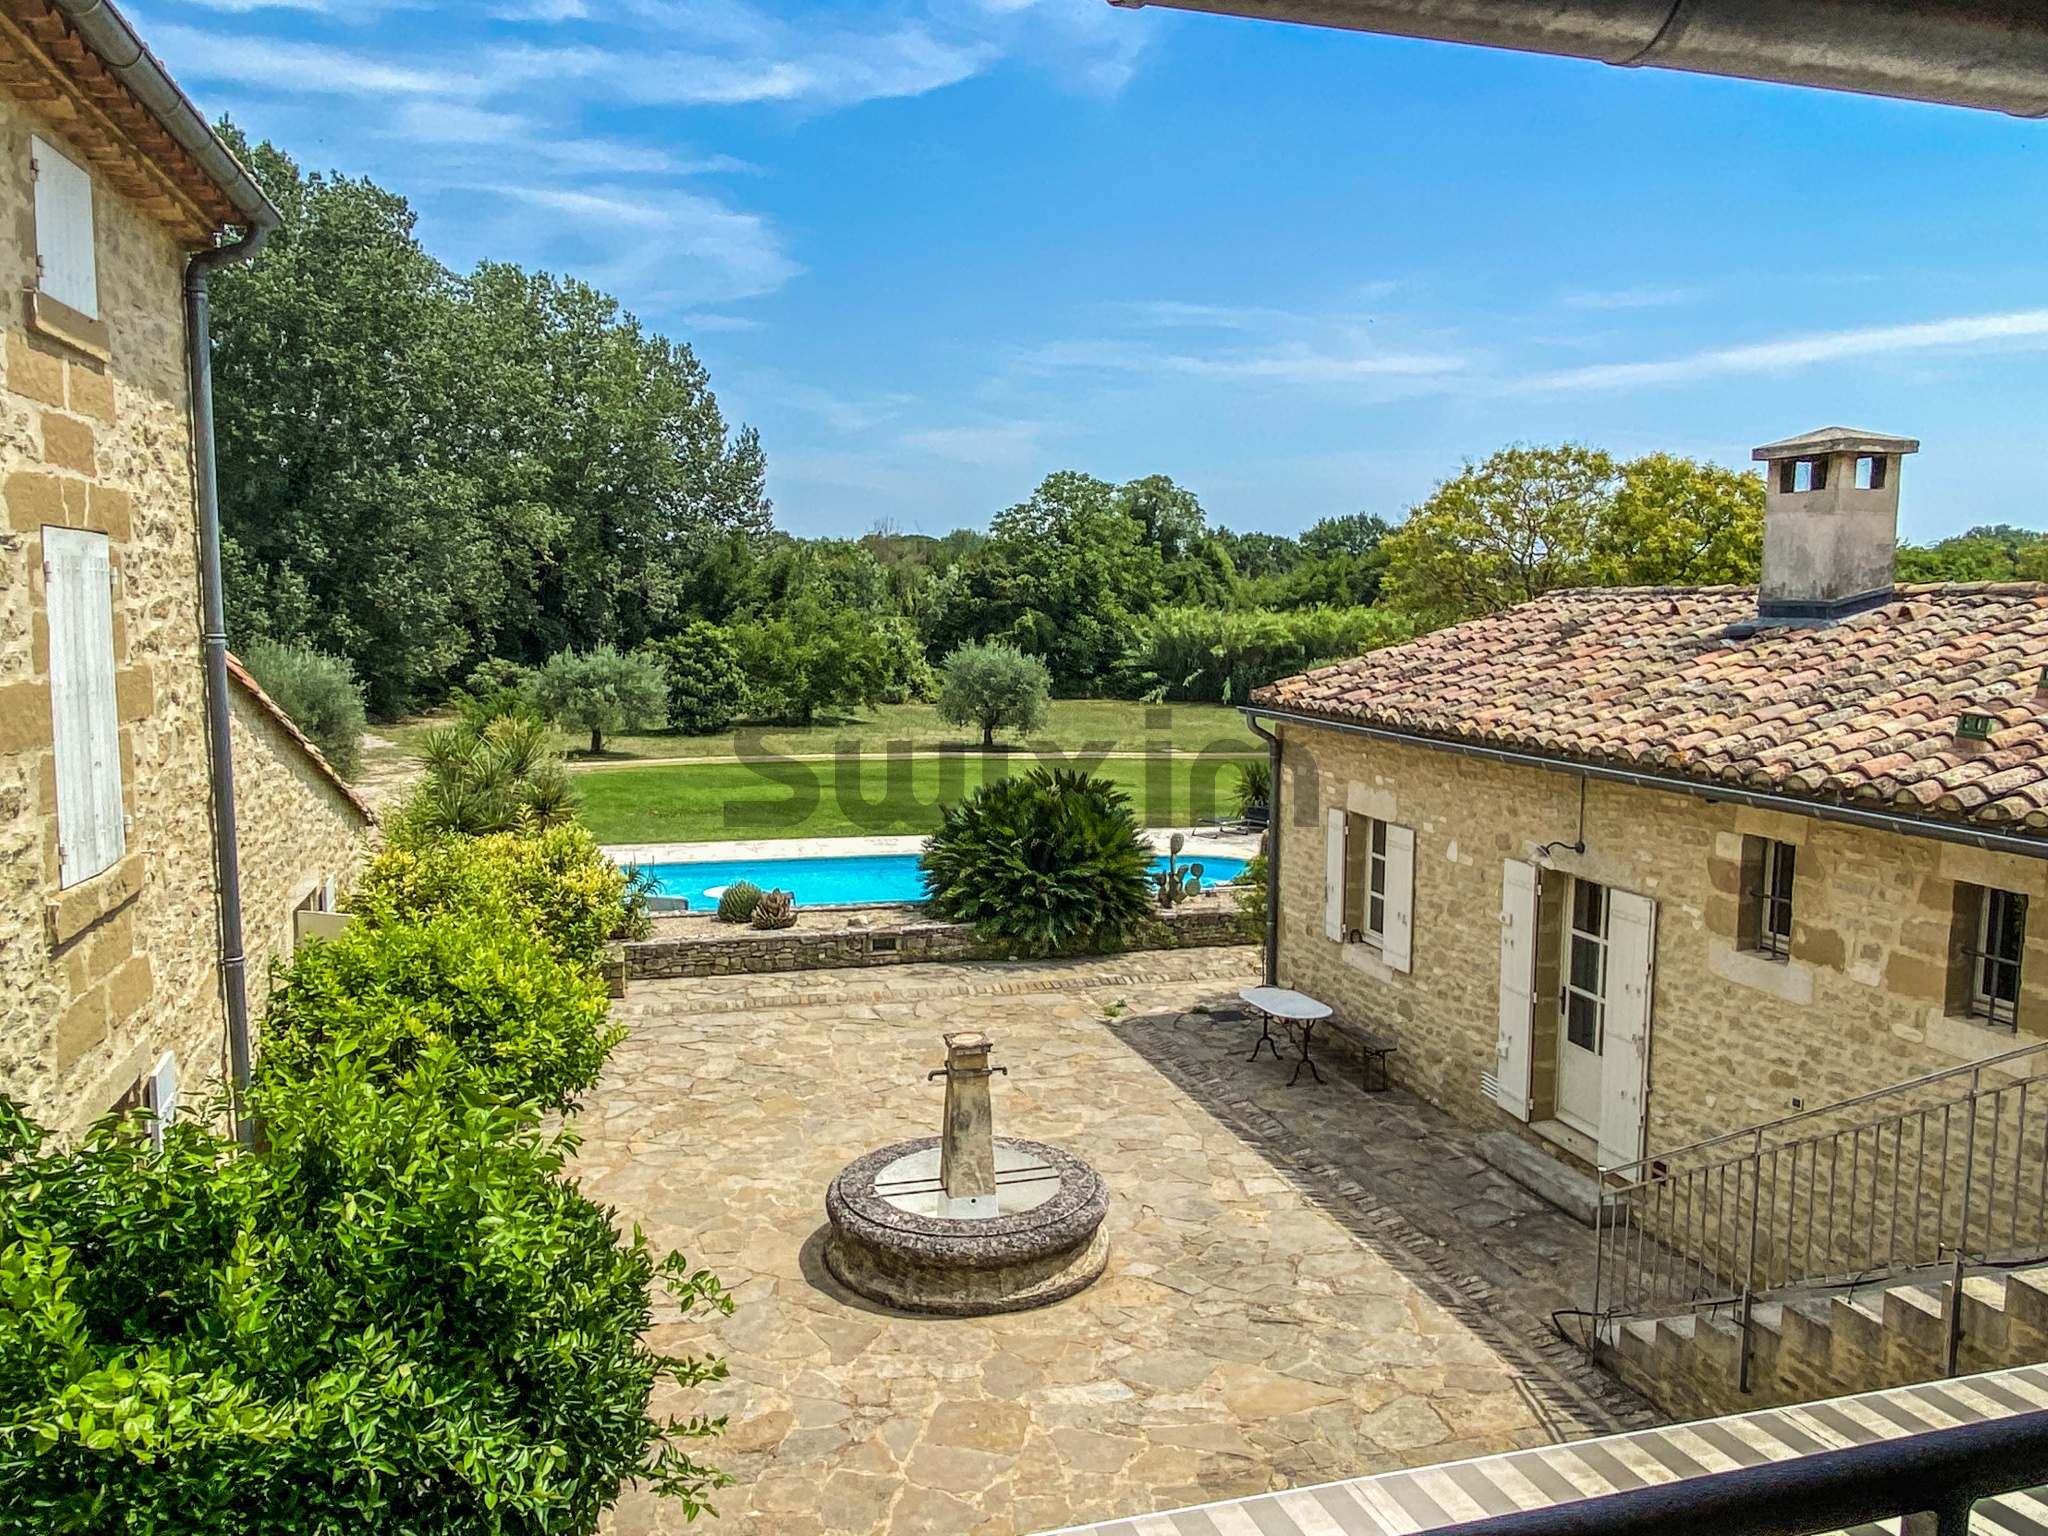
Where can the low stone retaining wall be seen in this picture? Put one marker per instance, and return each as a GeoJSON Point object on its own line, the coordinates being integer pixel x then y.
{"type": "Point", "coordinates": [743, 951]}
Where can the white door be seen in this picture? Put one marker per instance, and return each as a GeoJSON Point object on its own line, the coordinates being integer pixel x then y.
{"type": "Point", "coordinates": [1625, 1058]}
{"type": "Point", "coordinates": [1583, 1025]}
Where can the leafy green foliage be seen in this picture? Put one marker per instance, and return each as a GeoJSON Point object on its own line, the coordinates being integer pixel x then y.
{"type": "Point", "coordinates": [417, 468]}
{"type": "Point", "coordinates": [996, 687]}
{"type": "Point", "coordinates": [601, 691]}
{"type": "Point", "coordinates": [398, 1318]}
{"type": "Point", "coordinates": [1254, 786]}
{"type": "Point", "coordinates": [528, 1024]}
{"type": "Point", "coordinates": [739, 902]}
{"type": "Point", "coordinates": [707, 690]}
{"type": "Point", "coordinates": [495, 770]}
{"type": "Point", "coordinates": [1675, 523]}
{"type": "Point", "coordinates": [1047, 863]}
{"type": "Point", "coordinates": [1218, 656]}
{"type": "Point", "coordinates": [1251, 902]}
{"type": "Point", "coordinates": [318, 693]}
{"type": "Point", "coordinates": [554, 885]}
{"type": "Point", "coordinates": [1500, 533]}
{"type": "Point", "coordinates": [1992, 553]}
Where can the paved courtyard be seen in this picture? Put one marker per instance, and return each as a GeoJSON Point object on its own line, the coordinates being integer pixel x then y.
{"type": "Point", "coordinates": [1305, 1283]}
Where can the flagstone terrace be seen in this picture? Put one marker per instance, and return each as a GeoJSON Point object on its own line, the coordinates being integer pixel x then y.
{"type": "Point", "coordinates": [1305, 1284]}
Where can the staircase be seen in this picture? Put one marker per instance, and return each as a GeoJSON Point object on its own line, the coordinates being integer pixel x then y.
{"type": "Point", "coordinates": [1819, 1254]}
{"type": "Point", "coordinates": [1813, 1346]}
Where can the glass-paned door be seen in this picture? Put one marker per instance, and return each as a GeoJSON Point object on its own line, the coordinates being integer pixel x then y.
{"type": "Point", "coordinates": [1580, 1038]}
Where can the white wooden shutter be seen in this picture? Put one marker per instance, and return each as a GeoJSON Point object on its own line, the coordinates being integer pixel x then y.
{"type": "Point", "coordinates": [1397, 942]}
{"type": "Point", "coordinates": [1625, 1047]}
{"type": "Point", "coordinates": [1333, 875]}
{"type": "Point", "coordinates": [66, 268]}
{"type": "Point", "coordinates": [1517, 986]}
{"type": "Point", "coordinates": [79, 603]}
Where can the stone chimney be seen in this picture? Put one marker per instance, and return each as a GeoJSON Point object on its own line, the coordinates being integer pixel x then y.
{"type": "Point", "coordinates": [1831, 523]}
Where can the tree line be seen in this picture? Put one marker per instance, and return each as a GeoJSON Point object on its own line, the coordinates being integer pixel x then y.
{"type": "Point", "coordinates": [468, 480]}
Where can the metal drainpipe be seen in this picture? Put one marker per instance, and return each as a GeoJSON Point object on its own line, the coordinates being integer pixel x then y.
{"type": "Point", "coordinates": [1272, 850]}
{"type": "Point", "coordinates": [214, 651]}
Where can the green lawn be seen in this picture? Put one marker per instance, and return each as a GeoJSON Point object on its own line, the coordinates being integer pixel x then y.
{"type": "Point", "coordinates": [859, 795]}
{"type": "Point", "coordinates": [1075, 723]}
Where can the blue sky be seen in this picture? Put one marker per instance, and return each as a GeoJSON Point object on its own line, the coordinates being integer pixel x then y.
{"type": "Point", "coordinates": [935, 252]}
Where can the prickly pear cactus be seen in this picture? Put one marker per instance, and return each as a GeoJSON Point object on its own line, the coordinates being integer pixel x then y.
{"type": "Point", "coordinates": [777, 909]}
{"type": "Point", "coordinates": [738, 903]}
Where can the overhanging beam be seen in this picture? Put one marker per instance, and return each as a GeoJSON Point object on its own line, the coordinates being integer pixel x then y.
{"type": "Point", "coordinates": [1991, 54]}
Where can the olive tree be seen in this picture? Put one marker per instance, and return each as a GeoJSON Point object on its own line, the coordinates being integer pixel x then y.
{"type": "Point", "coordinates": [996, 687]}
{"type": "Point", "coordinates": [601, 692]}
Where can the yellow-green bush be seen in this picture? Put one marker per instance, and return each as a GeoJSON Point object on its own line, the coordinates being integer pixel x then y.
{"type": "Point", "coordinates": [554, 884]}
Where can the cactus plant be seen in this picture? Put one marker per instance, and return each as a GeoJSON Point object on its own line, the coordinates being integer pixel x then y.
{"type": "Point", "coordinates": [1176, 884]}
{"type": "Point", "coordinates": [777, 909]}
{"type": "Point", "coordinates": [739, 901]}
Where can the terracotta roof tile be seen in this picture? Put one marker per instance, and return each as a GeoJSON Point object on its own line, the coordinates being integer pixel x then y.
{"type": "Point", "coordinates": [1654, 679]}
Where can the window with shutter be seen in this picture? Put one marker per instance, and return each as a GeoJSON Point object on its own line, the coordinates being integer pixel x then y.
{"type": "Point", "coordinates": [1397, 932]}
{"type": "Point", "coordinates": [66, 268]}
{"type": "Point", "coordinates": [1333, 875]}
{"type": "Point", "coordinates": [84, 720]}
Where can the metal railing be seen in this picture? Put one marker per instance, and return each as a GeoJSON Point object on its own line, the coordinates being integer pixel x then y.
{"type": "Point", "coordinates": [1947, 1168]}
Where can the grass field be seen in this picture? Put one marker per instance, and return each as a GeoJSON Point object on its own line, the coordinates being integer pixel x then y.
{"type": "Point", "coordinates": [863, 794]}
{"type": "Point", "coordinates": [1098, 724]}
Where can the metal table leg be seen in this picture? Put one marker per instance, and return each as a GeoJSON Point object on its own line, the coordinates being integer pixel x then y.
{"type": "Point", "coordinates": [1308, 1029]}
{"type": "Point", "coordinates": [1266, 1036]}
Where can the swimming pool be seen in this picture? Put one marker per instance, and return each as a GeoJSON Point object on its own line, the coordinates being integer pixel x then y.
{"type": "Point", "coordinates": [830, 882]}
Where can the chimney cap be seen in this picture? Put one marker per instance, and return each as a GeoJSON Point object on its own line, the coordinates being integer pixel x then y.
{"type": "Point", "coordinates": [1834, 440]}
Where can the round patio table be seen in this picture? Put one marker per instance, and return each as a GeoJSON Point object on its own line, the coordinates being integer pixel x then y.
{"type": "Point", "coordinates": [1296, 1011]}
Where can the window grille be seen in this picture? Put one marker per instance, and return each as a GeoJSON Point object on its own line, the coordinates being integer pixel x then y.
{"type": "Point", "coordinates": [1773, 898]}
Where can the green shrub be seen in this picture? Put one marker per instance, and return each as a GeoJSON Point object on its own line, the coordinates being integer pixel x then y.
{"type": "Point", "coordinates": [1046, 863]}
{"type": "Point", "coordinates": [529, 1025]}
{"type": "Point", "coordinates": [556, 885]}
{"type": "Point", "coordinates": [707, 691]}
{"type": "Point", "coordinates": [396, 1319]}
{"type": "Point", "coordinates": [495, 770]}
{"type": "Point", "coordinates": [737, 902]}
{"type": "Point", "coordinates": [601, 692]}
{"type": "Point", "coordinates": [495, 675]}
{"type": "Point", "coordinates": [318, 693]}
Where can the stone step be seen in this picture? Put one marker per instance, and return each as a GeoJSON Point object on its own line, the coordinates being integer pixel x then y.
{"type": "Point", "coordinates": [1806, 1347]}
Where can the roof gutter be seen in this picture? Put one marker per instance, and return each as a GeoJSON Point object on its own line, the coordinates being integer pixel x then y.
{"type": "Point", "coordinates": [1820, 810]}
{"type": "Point", "coordinates": [107, 33]}
{"type": "Point", "coordinates": [1990, 54]}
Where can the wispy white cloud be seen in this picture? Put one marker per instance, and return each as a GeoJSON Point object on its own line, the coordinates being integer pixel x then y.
{"type": "Point", "coordinates": [295, 66]}
{"type": "Point", "coordinates": [1292, 364]}
{"type": "Point", "coordinates": [2025, 328]}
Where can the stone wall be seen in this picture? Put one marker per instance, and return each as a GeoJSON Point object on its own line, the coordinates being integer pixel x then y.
{"type": "Point", "coordinates": [98, 980]}
{"type": "Point", "coordinates": [1735, 1037]}
{"type": "Point", "coordinates": [297, 832]}
{"type": "Point", "coordinates": [742, 951]}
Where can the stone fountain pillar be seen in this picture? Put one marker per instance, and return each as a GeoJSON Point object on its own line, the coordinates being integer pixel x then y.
{"type": "Point", "coordinates": [966, 1222]}
{"type": "Point", "coordinates": [967, 1144]}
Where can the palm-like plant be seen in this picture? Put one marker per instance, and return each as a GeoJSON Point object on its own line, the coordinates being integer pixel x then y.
{"type": "Point", "coordinates": [500, 775]}
{"type": "Point", "coordinates": [1047, 863]}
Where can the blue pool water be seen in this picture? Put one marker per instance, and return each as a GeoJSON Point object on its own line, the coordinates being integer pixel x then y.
{"type": "Point", "coordinates": [823, 882]}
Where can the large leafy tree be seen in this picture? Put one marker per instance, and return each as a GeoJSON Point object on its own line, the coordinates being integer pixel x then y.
{"type": "Point", "coordinates": [1677, 523]}
{"type": "Point", "coordinates": [419, 469]}
{"type": "Point", "coordinates": [1501, 533]}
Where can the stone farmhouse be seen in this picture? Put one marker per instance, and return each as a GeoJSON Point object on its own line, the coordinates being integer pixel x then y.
{"type": "Point", "coordinates": [152, 799]}
{"type": "Point", "coordinates": [1618, 870]}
